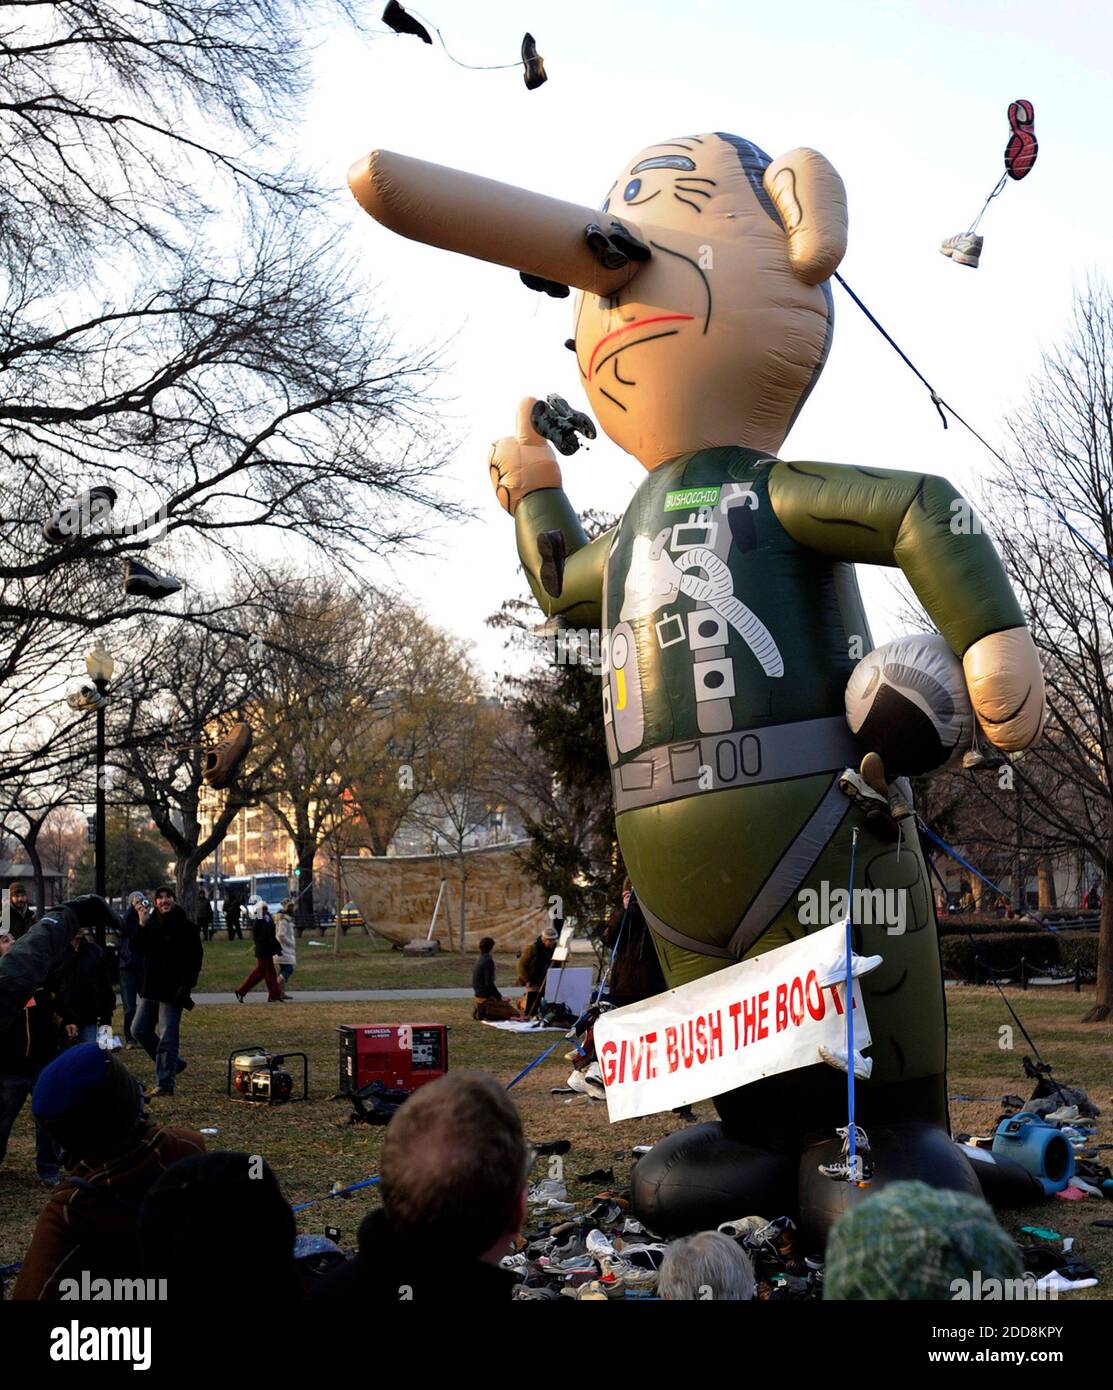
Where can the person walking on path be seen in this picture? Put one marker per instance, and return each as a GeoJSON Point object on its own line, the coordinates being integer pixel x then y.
{"type": "Point", "coordinates": [288, 939]}
{"type": "Point", "coordinates": [204, 915]}
{"type": "Point", "coordinates": [172, 949]}
{"type": "Point", "coordinates": [266, 948]}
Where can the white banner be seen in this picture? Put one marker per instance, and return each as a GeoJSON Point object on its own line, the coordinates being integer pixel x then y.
{"type": "Point", "coordinates": [754, 1019]}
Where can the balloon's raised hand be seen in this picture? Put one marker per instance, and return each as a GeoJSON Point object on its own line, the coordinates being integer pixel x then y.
{"type": "Point", "coordinates": [523, 462]}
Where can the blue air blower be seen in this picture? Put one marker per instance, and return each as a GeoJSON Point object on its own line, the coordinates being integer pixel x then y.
{"type": "Point", "coordinates": [1038, 1147]}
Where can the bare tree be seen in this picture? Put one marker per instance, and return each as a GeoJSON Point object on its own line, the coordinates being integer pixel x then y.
{"type": "Point", "coordinates": [213, 355]}
{"type": "Point", "coordinates": [458, 797]}
{"type": "Point", "coordinates": [318, 706]}
{"type": "Point", "coordinates": [186, 688]}
{"type": "Point", "coordinates": [1054, 520]}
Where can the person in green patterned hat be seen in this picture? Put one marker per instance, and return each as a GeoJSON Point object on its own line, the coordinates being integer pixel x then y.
{"type": "Point", "coordinates": [913, 1242]}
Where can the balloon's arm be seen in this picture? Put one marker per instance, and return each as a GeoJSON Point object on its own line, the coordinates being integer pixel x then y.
{"type": "Point", "coordinates": [581, 597]}
{"type": "Point", "coordinates": [922, 524]}
{"type": "Point", "coordinates": [26, 965]}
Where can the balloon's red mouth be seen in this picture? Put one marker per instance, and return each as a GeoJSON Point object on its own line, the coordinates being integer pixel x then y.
{"type": "Point", "coordinates": [627, 327]}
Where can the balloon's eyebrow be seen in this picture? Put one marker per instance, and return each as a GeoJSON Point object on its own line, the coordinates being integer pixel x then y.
{"type": "Point", "coordinates": [664, 161]}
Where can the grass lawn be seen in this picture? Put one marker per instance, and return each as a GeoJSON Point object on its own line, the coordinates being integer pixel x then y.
{"type": "Point", "coordinates": [364, 962]}
{"type": "Point", "coordinates": [311, 1146]}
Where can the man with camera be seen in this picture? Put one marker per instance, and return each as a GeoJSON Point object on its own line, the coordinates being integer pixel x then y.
{"type": "Point", "coordinates": [172, 954]}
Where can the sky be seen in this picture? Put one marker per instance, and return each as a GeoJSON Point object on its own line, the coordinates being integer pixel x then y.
{"type": "Point", "coordinates": [909, 101]}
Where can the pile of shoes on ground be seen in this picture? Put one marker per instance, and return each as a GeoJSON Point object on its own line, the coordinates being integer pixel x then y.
{"type": "Point", "coordinates": [1070, 1110]}
{"type": "Point", "coordinates": [595, 1250]}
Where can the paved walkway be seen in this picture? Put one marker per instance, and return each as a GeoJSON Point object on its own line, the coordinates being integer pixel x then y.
{"type": "Point", "coordinates": [338, 996]}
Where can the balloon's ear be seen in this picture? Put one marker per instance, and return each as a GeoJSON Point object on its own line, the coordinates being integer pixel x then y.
{"type": "Point", "coordinates": [810, 197]}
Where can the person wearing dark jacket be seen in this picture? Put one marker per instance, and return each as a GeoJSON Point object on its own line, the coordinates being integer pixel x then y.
{"type": "Point", "coordinates": [204, 915]}
{"type": "Point", "coordinates": [131, 965]}
{"type": "Point", "coordinates": [454, 1166]}
{"type": "Point", "coordinates": [201, 1205]}
{"type": "Point", "coordinates": [89, 1228]}
{"type": "Point", "coordinates": [635, 971]}
{"type": "Point", "coordinates": [83, 989]}
{"type": "Point", "coordinates": [266, 948]}
{"type": "Point", "coordinates": [172, 951]}
{"type": "Point", "coordinates": [232, 912]}
{"type": "Point", "coordinates": [27, 964]}
{"type": "Point", "coordinates": [489, 1003]}
{"type": "Point", "coordinates": [533, 967]}
{"type": "Point", "coordinates": [20, 916]}
{"type": "Point", "coordinates": [27, 1044]}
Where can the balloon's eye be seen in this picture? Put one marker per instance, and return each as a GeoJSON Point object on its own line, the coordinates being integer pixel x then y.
{"type": "Point", "coordinates": [632, 189]}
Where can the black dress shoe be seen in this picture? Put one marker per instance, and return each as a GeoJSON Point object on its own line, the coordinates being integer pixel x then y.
{"type": "Point", "coordinates": [553, 288]}
{"type": "Point", "coordinates": [142, 582]}
{"type": "Point", "coordinates": [554, 552]}
{"type": "Point", "coordinates": [535, 73]}
{"type": "Point", "coordinates": [402, 23]}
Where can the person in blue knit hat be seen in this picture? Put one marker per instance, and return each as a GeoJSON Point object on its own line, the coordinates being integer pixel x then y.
{"type": "Point", "coordinates": [93, 1108]}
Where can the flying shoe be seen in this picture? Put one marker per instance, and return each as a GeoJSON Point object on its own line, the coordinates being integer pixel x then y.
{"type": "Point", "coordinates": [223, 762]}
{"type": "Point", "coordinates": [964, 249]}
{"type": "Point", "coordinates": [142, 582]}
{"type": "Point", "coordinates": [86, 699]}
{"type": "Point", "coordinates": [70, 521]}
{"type": "Point", "coordinates": [535, 73]}
{"type": "Point", "coordinates": [974, 760]}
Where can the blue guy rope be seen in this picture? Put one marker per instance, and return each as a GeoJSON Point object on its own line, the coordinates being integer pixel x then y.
{"type": "Point", "coordinates": [849, 1001]}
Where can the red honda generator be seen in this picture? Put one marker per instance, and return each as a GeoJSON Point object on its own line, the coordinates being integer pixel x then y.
{"type": "Point", "coordinates": [402, 1056]}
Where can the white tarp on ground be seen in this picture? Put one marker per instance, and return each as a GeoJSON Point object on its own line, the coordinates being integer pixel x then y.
{"type": "Point", "coordinates": [519, 1025]}
{"type": "Point", "coordinates": [760, 1017]}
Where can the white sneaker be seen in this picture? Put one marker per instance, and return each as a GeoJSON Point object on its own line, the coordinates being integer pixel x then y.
{"type": "Point", "coordinates": [836, 1057]}
{"type": "Point", "coordinates": [855, 786]}
{"type": "Point", "coordinates": [87, 698]}
{"type": "Point", "coordinates": [965, 249]}
{"type": "Point", "coordinates": [599, 1246]}
{"type": "Point", "coordinates": [629, 1276]}
{"type": "Point", "coordinates": [744, 1226]}
{"type": "Point", "coordinates": [549, 1189]}
{"type": "Point", "coordinates": [587, 1084]}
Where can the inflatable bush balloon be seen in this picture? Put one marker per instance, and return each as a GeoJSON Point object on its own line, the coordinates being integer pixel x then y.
{"type": "Point", "coordinates": [732, 624]}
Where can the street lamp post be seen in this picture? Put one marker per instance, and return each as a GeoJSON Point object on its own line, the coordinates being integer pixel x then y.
{"type": "Point", "coordinates": [100, 666]}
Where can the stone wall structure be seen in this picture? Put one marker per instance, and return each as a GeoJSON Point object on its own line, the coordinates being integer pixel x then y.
{"type": "Point", "coordinates": [396, 896]}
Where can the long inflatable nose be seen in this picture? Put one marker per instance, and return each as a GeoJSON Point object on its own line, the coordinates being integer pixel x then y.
{"type": "Point", "coordinates": [483, 218]}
